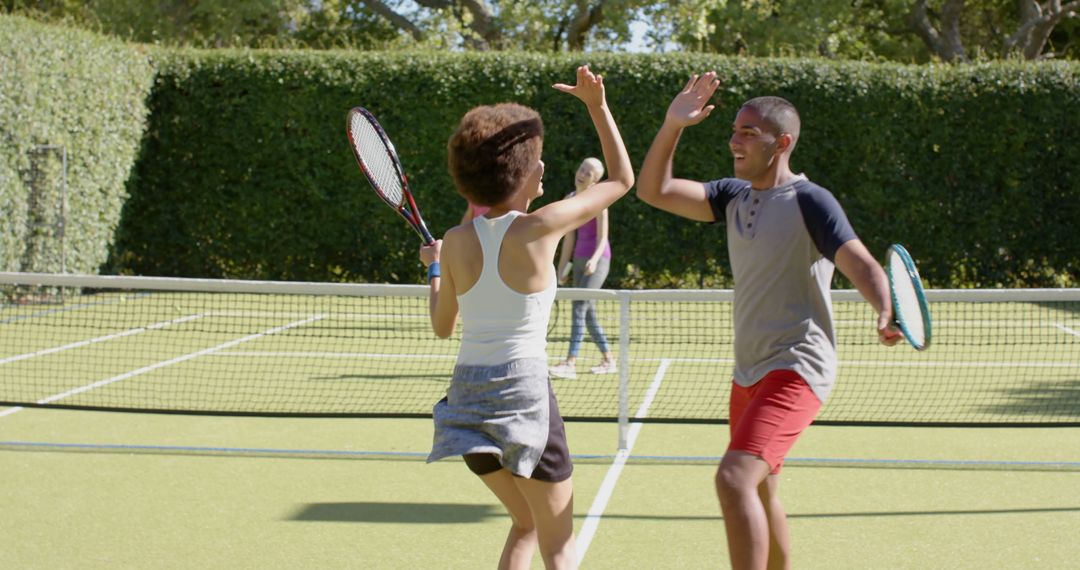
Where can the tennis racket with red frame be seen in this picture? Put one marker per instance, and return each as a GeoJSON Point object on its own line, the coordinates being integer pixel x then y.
{"type": "Point", "coordinates": [379, 161]}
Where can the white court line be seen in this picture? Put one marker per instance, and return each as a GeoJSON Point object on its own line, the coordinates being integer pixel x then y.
{"type": "Point", "coordinates": [889, 363]}
{"type": "Point", "coordinates": [81, 343]}
{"type": "Point", "coordinates": [958, 324]}
{"type": "Point", "coordinates": [596, 511]}
{"type": "Point", "coordinates": [164, 363]}
{"type": "Point", "coordinates": [1067, 329]}
{"type": "Point", "coordinates": [333, 316]}
{"type": "Point", "coordinates": [346, 355]}
{"type": "Point", "coordinates": [873, 363]}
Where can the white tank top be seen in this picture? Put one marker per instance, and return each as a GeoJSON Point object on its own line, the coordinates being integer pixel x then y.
{"type": "Point", "coordinates": [499, 324]}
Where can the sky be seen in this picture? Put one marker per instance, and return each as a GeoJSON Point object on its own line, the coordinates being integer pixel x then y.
{"type": "Point", "coordinates": [637, 44]}
{"type": "Point", "coordinates": [638, 28]}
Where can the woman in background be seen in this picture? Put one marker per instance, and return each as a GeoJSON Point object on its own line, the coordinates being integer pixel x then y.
{"type": "Point", "coordinates": [591, 253]}
{"type": "Point", "coordinates": [472, 211]}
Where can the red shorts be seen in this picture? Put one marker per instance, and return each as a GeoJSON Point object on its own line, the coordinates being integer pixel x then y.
{"type": "Point", "coordinates": [769, 416]}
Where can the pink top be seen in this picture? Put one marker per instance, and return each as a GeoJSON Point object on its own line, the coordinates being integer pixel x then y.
{"type": "Point", "coordinates": [585, 246]}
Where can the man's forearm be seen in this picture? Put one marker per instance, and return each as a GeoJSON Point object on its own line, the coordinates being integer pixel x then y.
{"type": "Point", "coordinates": [656, 169]}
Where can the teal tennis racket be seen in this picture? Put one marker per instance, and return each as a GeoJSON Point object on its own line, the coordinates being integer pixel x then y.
{"type": "Point", "coordinates": [911, 312]}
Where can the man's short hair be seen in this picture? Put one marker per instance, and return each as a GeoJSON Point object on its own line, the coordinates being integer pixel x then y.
{"type": "Point", "coordinates": [493, 150]}
{"type": "Point", "coordinates": [779, 115]}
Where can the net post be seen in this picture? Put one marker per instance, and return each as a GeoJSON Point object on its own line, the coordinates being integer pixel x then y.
{"type": "Point", "coordinates": [624, 369]}
{"type": "Point", "coordinates": [62, 229]}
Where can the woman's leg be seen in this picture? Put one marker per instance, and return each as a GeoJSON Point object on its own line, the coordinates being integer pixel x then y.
{"type": "Point", "coordinates": [590, 318]}
{"type": "Point", "coordinates": [552, 507]}
{"type": "Point", "coordinates": [568, 367]}
{"type": "Point", "coordinates": [596, 281]}
{"type": "Point", "coordinates": [521, 541]}
{"type": "Point", "coordinates": [577, 328]}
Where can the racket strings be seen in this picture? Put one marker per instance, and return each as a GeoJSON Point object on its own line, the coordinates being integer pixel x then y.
{"type": "Point", "coordinates": [908, 309]}
{"type": "Point", "coordinates": [375, 157]}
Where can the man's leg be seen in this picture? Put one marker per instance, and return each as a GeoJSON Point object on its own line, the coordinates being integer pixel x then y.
{"type": "Point", "coordinates": [745, 519]}
{"type": "Point", "coordinates": [779, 537]}
{"type": "Point", "coordinates": [766, 420]}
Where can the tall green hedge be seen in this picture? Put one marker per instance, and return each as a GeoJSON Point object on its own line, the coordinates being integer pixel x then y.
{"type": "Point", "coordinates": [72, 89]}
{"type": "Point", "coordinates": [245, 170]}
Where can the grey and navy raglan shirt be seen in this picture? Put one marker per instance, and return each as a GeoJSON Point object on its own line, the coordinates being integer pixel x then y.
{"type": "Point", "coordinates": [782, 243]}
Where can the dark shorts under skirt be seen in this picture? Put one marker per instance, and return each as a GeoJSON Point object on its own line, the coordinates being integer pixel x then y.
{"type": "Point", "coordinates": [508, 411]}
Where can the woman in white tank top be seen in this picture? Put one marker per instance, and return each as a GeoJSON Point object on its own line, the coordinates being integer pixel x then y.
{"type": "Point", "coordinates": [498, 272]}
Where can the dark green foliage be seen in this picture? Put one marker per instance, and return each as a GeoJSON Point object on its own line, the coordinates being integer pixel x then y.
{"type": "Point", "coordinates": [246, 170]}
{"type": "Point", "coordinates": [66, 87]}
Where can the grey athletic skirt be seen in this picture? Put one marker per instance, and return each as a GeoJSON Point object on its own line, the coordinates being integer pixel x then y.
{"type": "Point", "coordinates": [507, 410]}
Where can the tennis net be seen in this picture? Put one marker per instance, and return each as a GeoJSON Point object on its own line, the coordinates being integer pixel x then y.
{"type": "Point", "coordinates": [229, 347]}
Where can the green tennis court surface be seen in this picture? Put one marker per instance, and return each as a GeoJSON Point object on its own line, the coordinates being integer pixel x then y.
{"type": "Point", "coordinates": [92, 490]}
{"type": "Point", "coordinates": [105, 490]}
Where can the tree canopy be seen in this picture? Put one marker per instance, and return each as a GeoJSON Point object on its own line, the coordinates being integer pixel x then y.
{"type": "Point", "coordinates": [874, 30]}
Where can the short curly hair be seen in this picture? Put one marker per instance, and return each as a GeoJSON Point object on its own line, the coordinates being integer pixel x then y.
{"type": "Point", "coordinates": [493, 150]}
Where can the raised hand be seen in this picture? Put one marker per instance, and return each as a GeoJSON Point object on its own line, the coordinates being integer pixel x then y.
{"type": "Point", "coordinates": [690, 106]}
{"type": "Point", "coordinates": [589, 87]}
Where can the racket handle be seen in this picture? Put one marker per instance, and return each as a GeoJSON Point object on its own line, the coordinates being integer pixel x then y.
{"type": "Point", "coordinates": [424, 233]}
{"type": "Point", "coordinates": [417, 224]}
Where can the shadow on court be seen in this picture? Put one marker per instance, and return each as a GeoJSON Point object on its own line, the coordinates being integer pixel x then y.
{"type": "Point", "coordinates": [1061, 400]}
{"type": "Point", "coordinates": [416, 513]}
{"type": "Point", "coordinates": [866, 514]}
{"type": "Point", "coordinates": [442, 379]}
{"type": "Point", "coordinates": [423, 513]}
{"type": "Point", "coordinates": [939, 513]}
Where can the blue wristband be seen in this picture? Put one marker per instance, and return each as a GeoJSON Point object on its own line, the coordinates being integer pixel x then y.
{"type": "Point", "coordinates": [433, 271]}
